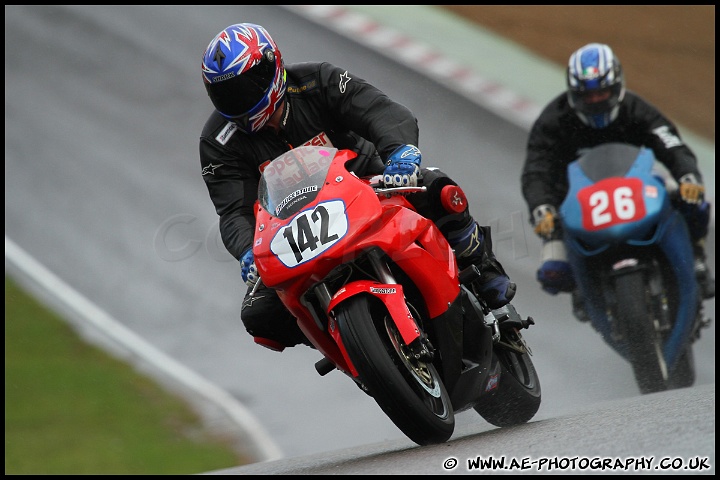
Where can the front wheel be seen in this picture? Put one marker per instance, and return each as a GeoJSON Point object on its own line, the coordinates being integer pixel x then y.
{"type": "Point", "coordinates": [642, 333]}
{"type": "Point", "coordinates": [409, 390]}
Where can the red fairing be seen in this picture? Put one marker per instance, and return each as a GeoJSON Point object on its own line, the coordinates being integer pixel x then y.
{"type": "Point", "coordinates": [391, 295]}
{"type": "Point", "coordinates": [344, 220]}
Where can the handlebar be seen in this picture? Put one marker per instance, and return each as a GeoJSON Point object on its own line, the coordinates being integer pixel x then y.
{"type": "Point", "coordinates": [381, 188]}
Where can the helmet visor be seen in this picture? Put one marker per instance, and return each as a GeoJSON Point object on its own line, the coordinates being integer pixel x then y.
{"type": "Point", "coordinates": [236, 96]}
{"type": "Point", "coordinates": [596, 101]}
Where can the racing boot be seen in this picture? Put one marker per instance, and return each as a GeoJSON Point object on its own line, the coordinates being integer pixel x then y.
{"type": "Point", "coordinates": [473, 246]}
{"type": "Point", "coordinates": [705, 279]}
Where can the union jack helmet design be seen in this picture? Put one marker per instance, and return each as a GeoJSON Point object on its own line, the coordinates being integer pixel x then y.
{"type": "Point", "coordinates": [244, 75]}
{"type": "Point", "coordinates": [596, 84]}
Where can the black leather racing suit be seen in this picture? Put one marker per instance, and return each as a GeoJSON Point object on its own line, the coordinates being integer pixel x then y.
{"type": "Point", "coordinates": [325, 105]}
{"type": "Point", "coordinates": [559, 136]}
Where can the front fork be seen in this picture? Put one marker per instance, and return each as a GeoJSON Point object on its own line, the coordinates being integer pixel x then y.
{"type": "Point", "coordinates": [391, 294]}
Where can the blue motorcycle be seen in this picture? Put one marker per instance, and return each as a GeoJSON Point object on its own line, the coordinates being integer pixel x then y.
{"type": "Point", "coordinates": [632, 258]}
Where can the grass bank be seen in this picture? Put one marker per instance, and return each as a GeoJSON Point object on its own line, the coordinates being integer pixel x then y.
{"type": "Point", "coordinates": [72, 409]}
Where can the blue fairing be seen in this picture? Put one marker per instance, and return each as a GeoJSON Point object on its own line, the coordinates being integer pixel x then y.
{"type": "Point", "coordinates": [661, 230]}
{"type": "Point", "coordinates": [677, 247]}
{"type": "Point", "coordinates": [636, 232]}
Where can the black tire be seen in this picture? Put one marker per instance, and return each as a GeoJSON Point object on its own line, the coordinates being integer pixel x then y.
{"type": "Point", "coordinates": [409, 391]}
{"type": "Point", "coordinates": [518, 395]}
{"type": "Point", "coordinates": [644, 340]}
{"type": "Point", "coordinates": [684, 374]}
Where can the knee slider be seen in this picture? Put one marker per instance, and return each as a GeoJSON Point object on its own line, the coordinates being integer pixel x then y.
{"type": "Point", "coordinates": [270, 323]}
{"type": "Point", "coordinates": [269, 343]}
{"type": "Point", "coordinates": [274, 333]}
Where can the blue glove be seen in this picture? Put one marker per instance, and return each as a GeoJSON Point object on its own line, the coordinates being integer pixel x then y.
{"type": "Point", "coordinates": [403, 167]}
{"type": "Point", "coordinates": [249, 271]}
{"type": "Point", "coordinates": [556, 276]}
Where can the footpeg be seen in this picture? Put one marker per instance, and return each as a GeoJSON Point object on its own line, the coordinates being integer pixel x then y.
{"type": "Point", "coordinates": [324, 366]}
{"type": "Point", "coordinates": [508, 318]}
{"type": "Point", "coordinates": [517, 324]}
{"type": "Point", "coordinates": [469, 275]}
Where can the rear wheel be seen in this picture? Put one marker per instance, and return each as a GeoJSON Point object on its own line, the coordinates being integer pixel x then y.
{"type": "Point", "coordinates": [517, 397]}
{"type": "Point", "coordinates": [409, 390]}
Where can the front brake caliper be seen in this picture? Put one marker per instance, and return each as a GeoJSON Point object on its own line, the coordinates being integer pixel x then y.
{"type": "Point", "coordinates": [422, 349]}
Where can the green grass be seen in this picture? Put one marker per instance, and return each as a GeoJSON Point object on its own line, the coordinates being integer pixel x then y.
{"type": "Point", "coordinates": [72, 409]}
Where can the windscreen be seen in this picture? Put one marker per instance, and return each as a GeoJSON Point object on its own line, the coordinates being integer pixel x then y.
{"type": "Point", "coordinates": [294, 179]}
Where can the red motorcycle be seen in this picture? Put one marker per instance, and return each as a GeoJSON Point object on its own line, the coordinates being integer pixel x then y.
{"type": "Point", "coordinates": [376, 289]}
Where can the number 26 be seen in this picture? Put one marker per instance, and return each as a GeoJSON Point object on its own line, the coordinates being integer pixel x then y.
{"type": "Point", "coordinates": [622, 205]}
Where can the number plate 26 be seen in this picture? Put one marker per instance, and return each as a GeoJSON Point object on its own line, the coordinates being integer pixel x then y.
{"type": "Point", "coordinates": [611, 202]}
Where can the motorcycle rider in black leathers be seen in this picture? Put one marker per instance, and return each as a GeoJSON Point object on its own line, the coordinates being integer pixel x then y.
{"type": "Point", "coordinates": [597, 109]}
{"type": "Point", "coordinates": [264, 108]}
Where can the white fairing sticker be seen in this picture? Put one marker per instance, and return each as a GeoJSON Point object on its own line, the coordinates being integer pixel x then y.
{"type": "Point", "coordinates": [310, 233]}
